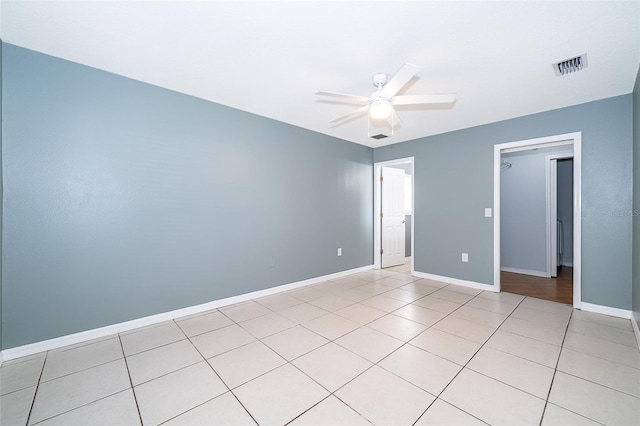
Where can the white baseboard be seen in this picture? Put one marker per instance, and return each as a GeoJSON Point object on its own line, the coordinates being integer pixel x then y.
{"type": "Point", "coordinates": [96, 333]}
{"type": "Point", "coordinates": [636, 329]}
{"type": "Point", "coordinates": [542, 274]}
{"type": "Point", "coordinates": [606, 310]}
{"type": "Point", "coordinates": [455, 281]}
{"type": "Point", "coordinates": [568, 264]}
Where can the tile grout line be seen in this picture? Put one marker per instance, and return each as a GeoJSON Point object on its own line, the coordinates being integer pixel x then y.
{"type": "Point", "coordinates": [332, 393]}
{"type": "Point", "coordinates": [405, 343]}
{"type": "Point", "coordinates": [470, 358]}
{"type": "Point", "coordinates": [219, 378]}
{"type": "Point", "coordinates": [555, 369]}
{"type": "Point", "coordinates": [391, 313]}
{"type": "Point", "coordinates": [35, 393]}
{"type": "Point", "coordinates": [133, 391]}
{"type": "Point", "coordinates": [582, 378]}
{"type": "Point", "coordinates": [376, 364]}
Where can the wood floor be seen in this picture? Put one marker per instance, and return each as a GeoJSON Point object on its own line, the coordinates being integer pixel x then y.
{"type": "Point", "coordinates": [558, 289]}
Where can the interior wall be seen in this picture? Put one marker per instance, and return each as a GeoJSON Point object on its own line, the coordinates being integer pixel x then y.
{"type": "Point", "coordinates": [454, 184]}
{"type": "Point", "coordinates": [523, 211]}
{"type": "Point", "coordinates": [636, 201]}
{"type": "Point", "coordinates": [565, 209]}
{"type": "Point", "coordinates": [124, 200]}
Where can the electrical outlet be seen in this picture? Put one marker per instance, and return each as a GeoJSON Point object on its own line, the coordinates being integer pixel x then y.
{"type": "Point", "coordinates": [465, 257]}
{"type": "Point", "coordinates": [339, 251]}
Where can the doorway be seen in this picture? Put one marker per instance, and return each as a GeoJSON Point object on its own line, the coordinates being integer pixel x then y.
{"type": "Point", "coordinates": [536, 193]}
{"type": "Point", "coordinates": [548, 277]}
{"type": "Point", "coordinates": [393, 214]}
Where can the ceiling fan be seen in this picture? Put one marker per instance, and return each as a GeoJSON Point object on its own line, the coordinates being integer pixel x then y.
{"type": "Point", "coordinates": [380, 104]}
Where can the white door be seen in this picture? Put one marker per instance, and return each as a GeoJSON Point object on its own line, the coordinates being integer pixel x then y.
{"type": "Point", "coordinates": [393, 226]}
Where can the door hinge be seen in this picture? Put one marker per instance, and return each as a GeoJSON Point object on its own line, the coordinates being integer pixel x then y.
{"type": "Point", "coordinates": [381, 251]}
{"type": "Point", "coordinates": [381, 178]}
{"type": "Point", "coordinates": [381, 215]}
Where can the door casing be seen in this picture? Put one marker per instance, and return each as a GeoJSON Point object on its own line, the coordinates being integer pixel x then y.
{"type": "Point", "coordinates": [393, 227]}
{"type": "Point", "coordinates": [551, 172]}
{"type": "Point", "coordinates": [377, 223]}
{"type": "Point", "coordinates": [564, 139]}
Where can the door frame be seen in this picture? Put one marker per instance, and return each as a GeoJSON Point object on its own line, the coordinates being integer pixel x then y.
{"type": "Point", "coordinates": [551, 193]}
{"type": "Point", "coordinates": [564, 139]}
{"type": "Point", "coordinates": [394, 185]}
{"type": "Point", "coordinates": [377, 208]}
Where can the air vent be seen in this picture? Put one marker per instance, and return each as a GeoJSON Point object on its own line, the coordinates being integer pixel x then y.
{"type": "Point", "coordinates": [378, 136]}
{"type": "Point", "coordinates": [570, 65]}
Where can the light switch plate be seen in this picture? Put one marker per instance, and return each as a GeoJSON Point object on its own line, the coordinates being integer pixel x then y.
{"type": "Point", "coordinates": [487, 212]}
{"type": "Point", "coordinates": [339, 251]}
{"type": "Point", "coordinates": [465, 257]}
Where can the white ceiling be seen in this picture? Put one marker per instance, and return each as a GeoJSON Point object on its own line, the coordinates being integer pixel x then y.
{"type": "Point", "coordinates": [270, 57]}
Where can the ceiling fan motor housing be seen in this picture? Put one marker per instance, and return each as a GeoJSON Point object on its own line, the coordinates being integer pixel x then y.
{"type": "Point", "coordinates": [379, 79]}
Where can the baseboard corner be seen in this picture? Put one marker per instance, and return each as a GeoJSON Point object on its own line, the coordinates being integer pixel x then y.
{"type": "Point", "coordinates": [606, 310]}
{"type": "Point", "coordinates": [456, 281]}
{"type": "Point", "coordinates": [635, 319]}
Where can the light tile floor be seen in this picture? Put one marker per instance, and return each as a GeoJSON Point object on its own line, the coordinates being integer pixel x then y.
{"type": "Point", "coordinates": [378, 347]}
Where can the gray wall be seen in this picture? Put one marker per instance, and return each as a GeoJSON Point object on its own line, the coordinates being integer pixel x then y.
{"type": "Point", "coordinates": [523, 210]}
{"type": "Point", "coordinates": [454, 183]}
{"type": "Point", "coordinates": [124, 200]}
{"type": "Point", "coordinates": [523, 222]}
{"type": "Point", "coordinates": [407, 218]}
{"type": "Point", "coordinates": [636, 199]}
{"type": "Point", "coordinates": [565, 208]}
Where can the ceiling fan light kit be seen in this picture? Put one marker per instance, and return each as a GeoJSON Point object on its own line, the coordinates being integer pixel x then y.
{"type": "Point", "coordinates": [379, 106]}
{"type": "Point", "coordinates": [380, 109]}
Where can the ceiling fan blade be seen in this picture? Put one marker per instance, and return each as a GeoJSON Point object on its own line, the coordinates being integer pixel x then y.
{"type": "Point", "coordinates": [395, 118]}
{"type": "Point", "coordinates": [423, 99]}
{"type": "Point", "coordinates": [344, 96]}
{"type": "Point", "coordinates": [398, 81]}
{"type": "Point", "coordinates": [353, 113]}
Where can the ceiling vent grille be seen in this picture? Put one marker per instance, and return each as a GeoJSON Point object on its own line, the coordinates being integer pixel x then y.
{"type": "Point", "coordinates": [379, 136]}
{"type": "Point", "coordinates": [570, 65]}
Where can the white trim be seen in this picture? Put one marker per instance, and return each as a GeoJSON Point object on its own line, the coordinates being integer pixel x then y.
{"type": "Point", "coordinates": [606, 310]}
{"type": "Point", "coordinates": [551, 216]}
{"type": "Point", "coordinates": [567, 264]}
{"type": "Point", "coordinates": [636, 330]}
{"type": "Point", "coordinates": [456, 281]}
{"type": "Point", "coordinates": [536, 146]}
{"type": "Point", "coordinates": [577, 219]}
{"type": "Point", "coordinates": [557, 140]}
{"type": "Point", "coordinates": [377, 223]}
{"type": "Point", "coordinates": [83, 336]}
{"type": "Point", "coordinates": [497, 159]}
{"type": "Point", "coordinates": [524, 271]}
